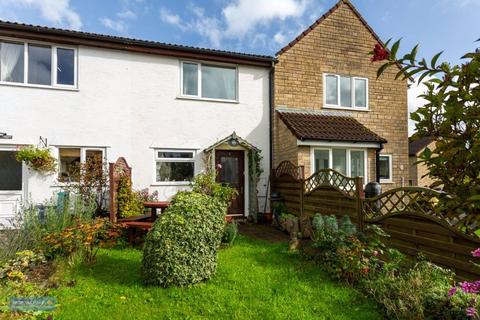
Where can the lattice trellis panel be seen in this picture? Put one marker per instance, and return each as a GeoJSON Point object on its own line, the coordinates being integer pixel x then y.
{"type": "Point", "coordinates": [287, 168]}
{"type": "Point", "coordinates": [414, 200]}
{"type": "Point", "coordinates": [330, 178]}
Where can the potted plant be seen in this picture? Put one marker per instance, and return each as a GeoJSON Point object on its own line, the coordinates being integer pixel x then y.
{"type": "Point", "coordinates": [38, 159]}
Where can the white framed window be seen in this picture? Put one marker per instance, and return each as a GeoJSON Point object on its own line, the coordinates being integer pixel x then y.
{"type": "Point", "coordinates": [38, 64]}
{"type": "Point", "coordinates": [208, 81]}
{"type": "Point", "coordinates": [70, 159]}
{"type": "Point", "coordinates": [385, 171]}
{"type": "Point", "coordinates": [345, 92]}
{"type": "Point", "coordinates": [349, 162]}
{"type": "Point", "coordinates": [174, 166]}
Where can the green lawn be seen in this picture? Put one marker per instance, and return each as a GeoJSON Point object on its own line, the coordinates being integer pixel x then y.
{"type": "Point", "coordinates": [255, 280]}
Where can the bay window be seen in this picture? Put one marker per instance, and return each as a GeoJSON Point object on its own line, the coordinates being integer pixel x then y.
{"type": "Point", "coordinates": [345, 92]}
{"type": "Point", "coordinates": [349, 162]}
{"type": "Point", "coordinates": [209, 81]}
{"type": "Point", "coordinates": [37, 64]}
{"type": "Point", "coordinates": [174, 166]}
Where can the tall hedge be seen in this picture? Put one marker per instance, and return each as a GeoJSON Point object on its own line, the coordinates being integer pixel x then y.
{"type": "Point", "coordinates": [181, 248]}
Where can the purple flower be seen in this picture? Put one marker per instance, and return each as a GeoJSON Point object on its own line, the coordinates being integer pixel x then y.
{"type": "Point", "coordinates": [471, 312]}
{"type": "Point", "coordinates": [470, 287]}
{"type": "Point", "coordinates": [476, 253]}
{"type": "Point", "coordinates": [452, 291]}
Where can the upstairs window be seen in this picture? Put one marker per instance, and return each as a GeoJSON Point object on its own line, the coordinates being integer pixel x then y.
{"type": "Point", "coordinates": [345, 92]}
{"type": "Point", "coordinates": [385, 168]}
{"type": "Point", "coordinates": [209, 81]}
{"type": "Point", "coordinates": [37, 65]}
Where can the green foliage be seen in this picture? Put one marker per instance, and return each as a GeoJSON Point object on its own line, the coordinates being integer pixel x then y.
{"type": "Point", "coordinates": [130, 203]}
{"type": "Point", "coordinates": [16, 268]}
{"type": "Point", "coordinates": [181, 249]}
{"type": "Point", "coordinates": [89, 181]}
{"type": "Point", "coordinates": [38, 159]}
{"type": "Point", "coordinates": [205, 183]}
{"type": "Point", "coordinates": [84, 238]}
{"type": "Point", "coordinates": [28, 229]}
{"type": "Point", "coordinates": [230, 233]}
{"type": "Point", "coordinates": [249, 272]}
{"type": "Point", "coordinates": [451, 116]}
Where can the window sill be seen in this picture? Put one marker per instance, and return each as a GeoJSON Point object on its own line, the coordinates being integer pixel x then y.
{"type": "Point", "coordinates": [37, 86]}
{"type": "Point", "coordinates": [386, 181]}
{"type": "Point", "coordinates": [346, 108]}
{"type": "Point", "coordinates": [170, 184]}
{"type": "Point", "coordinates": [207, 99]}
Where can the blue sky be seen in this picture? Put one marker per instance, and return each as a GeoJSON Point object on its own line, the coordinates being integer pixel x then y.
{"type": "Point", "coordinates": [260, 26]}
{"type": "Point", "coordinates": [256, 26]}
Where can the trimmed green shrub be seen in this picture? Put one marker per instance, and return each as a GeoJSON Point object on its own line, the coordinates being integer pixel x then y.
{"type": "Point", "coordinates": [181, 248]}
{"type": "Point", "coordinates": [230, 233]}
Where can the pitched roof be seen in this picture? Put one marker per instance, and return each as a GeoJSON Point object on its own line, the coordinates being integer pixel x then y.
{"type": "Point", "coordinates": [325, 16]}
{"type": "Point", "coordinates": [311, 125]}
{"type": "Point", "coordinates": [415, 146]}
{"type": "Point", "coordinates": [44, 33]}
{"type": "Point", "coordinates": [242, 142]}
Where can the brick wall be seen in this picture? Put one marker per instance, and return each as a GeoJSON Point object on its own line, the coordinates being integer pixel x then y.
{"type": "Point", "coordinates": [340, 45]}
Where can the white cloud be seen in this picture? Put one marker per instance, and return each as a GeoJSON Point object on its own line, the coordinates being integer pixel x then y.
{"type": "Point", "coordinates": [244, 15]}
{"type": "Point", "coordinates": [209, 27]}
{"type": "Point", "coordinates": [58, 12]}
{"type": "Point", "coordinates": [116, 25]}
{"type": "Point", "coordinates": [170, 18]}
{"type": "Point", "coordinates": [414, 102]}
{"type": "Point", "coordinates": [279, 38]}
{"type": "Point", "coordinates": [127, 14]}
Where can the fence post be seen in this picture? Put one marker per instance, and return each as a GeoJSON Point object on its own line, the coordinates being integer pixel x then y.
{"type": "Point", "coordinates": [302, 187]}
{"type": "Point", "coordinates": [360, 195]}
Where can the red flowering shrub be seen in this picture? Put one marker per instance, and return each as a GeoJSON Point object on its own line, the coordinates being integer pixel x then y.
{"type": "Point", "coordinates": [380, 53]}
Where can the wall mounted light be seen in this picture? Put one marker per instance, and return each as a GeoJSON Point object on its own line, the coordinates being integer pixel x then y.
{"type": "Point", "coordinates": [233, 141]}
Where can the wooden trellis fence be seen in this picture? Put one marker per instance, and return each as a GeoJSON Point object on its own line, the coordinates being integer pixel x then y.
{"type": "Point", "coordinates": [407, 214]}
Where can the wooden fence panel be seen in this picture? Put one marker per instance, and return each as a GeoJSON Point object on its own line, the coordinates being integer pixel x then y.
{"type": "Point", "coordinates": [409, 215]}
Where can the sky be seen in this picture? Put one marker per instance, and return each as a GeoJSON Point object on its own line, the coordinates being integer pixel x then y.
{"type": "Point", "coordinates": [259, 26]}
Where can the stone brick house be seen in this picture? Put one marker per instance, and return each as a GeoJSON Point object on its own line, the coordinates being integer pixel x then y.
{"type": "Point", "coordinates": [331, 111]}
{"type": "Point", "coordinates": [418, 171]}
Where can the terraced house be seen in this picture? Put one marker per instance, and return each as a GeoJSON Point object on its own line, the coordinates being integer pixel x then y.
{"type": "Point", "coordinates": [165, 108]}
{"type": "Point", "coordinates": [331, 111]}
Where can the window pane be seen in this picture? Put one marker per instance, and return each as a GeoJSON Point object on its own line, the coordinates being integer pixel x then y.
{"type": "Point", "coordinates": [321, 159]}
{"type": "Point", "coordinates": [357, 163]}
{"type": "Point", "coordinates": [69, 164]}
{"type": "Point", "coordinates": [39, 65]}
{"type": "Point", "coordinates": [190, 79]}
{"type": "Point", "coordinates": [339, 158]}
{"type": "Point", "coordinates": [219, 82]}
{"type": "Point", "coordinates": [65, 66]}
{"type": "Point", "coordinates": [331, 90]}
{"type": "Point", "coordinates": [345, 92]}
{"type": "Point", "coordinates": [11, 62]}
{"type": "Point", "coordinates": [174, 171]}
{"type": "Point", "coordinates": [384, 168]}
{"type": "Point", "coordinates": [10, 172]}
{"type": "Point", "coordinates": [360, 93]}
{"type": "Point", "coordinates": [167, 154]}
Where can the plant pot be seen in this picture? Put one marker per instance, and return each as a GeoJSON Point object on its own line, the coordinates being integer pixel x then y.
{"type": "Point", "coordinates": [268, 216]}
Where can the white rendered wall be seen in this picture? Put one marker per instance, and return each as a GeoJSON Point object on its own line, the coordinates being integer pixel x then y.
{"type": "Point", "coordinates": [129, 103]}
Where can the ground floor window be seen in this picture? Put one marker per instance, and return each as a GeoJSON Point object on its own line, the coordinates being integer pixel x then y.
{"type": "Point", "coordinates": [350, 162]}
{"type": "Point", "coordinates": [71, 158]}
{"type": "Point", "coordinates": [385, 168]}
{"type": "Point", "coordinates": [10, 172]}
{"type": "Point", "coordinates": [174, 165]}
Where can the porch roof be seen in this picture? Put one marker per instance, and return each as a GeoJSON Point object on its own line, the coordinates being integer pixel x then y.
{"type": "Point", "coordinates": [308, 125]}
{"type": "Point", "coordinates": [241, 142]}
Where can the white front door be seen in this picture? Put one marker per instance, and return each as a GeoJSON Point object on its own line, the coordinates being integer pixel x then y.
{"type": "Point", "coordinates": [11, 189]}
